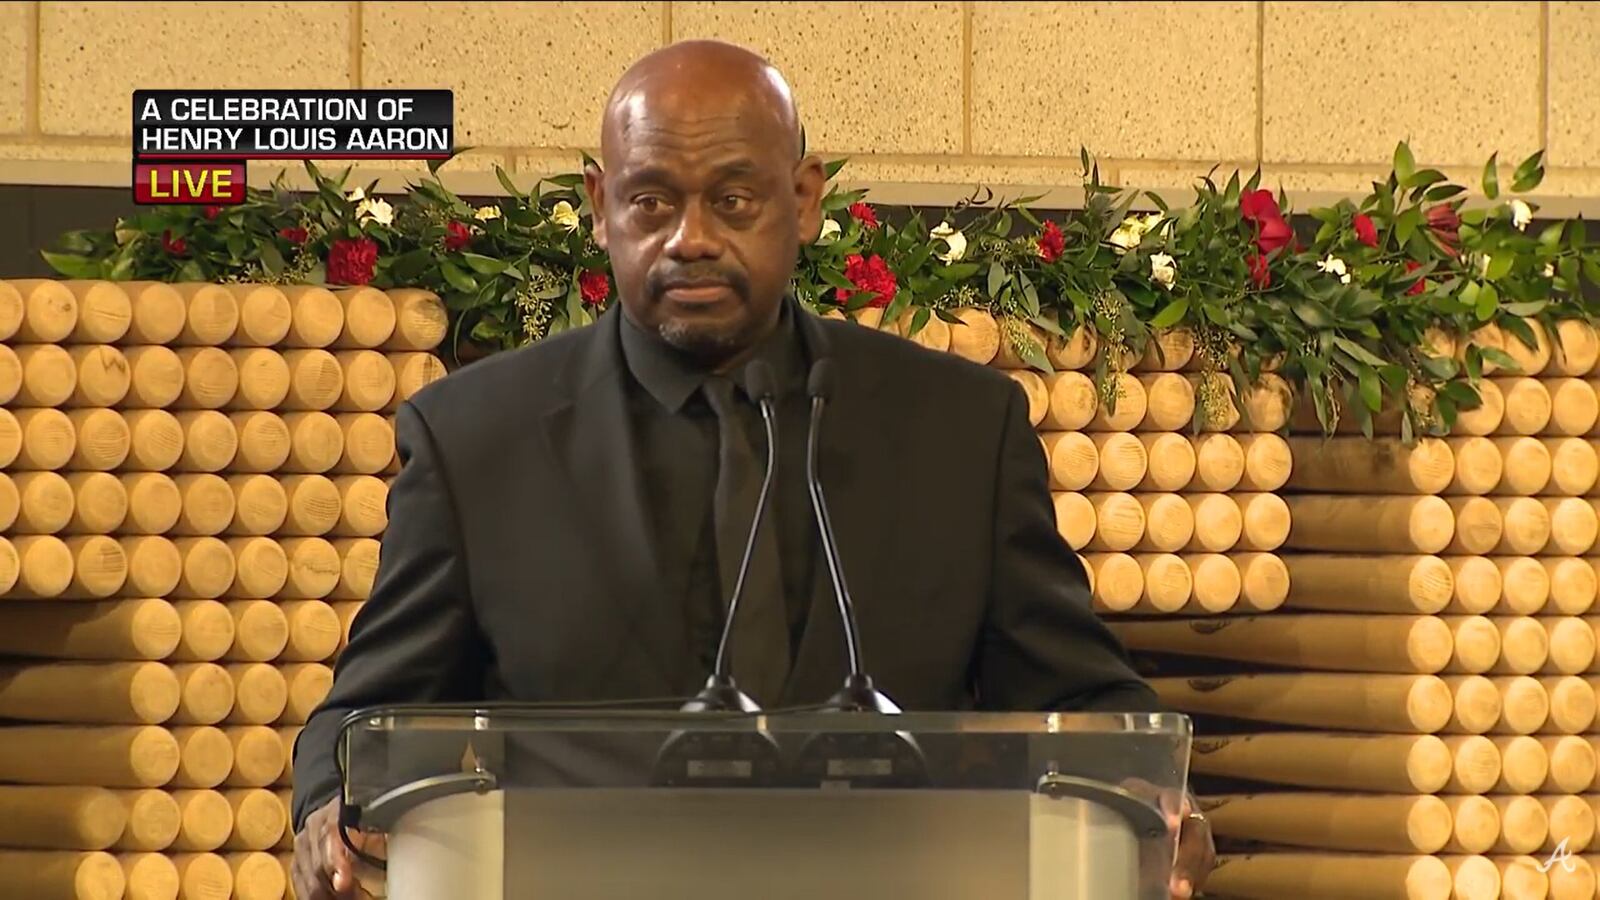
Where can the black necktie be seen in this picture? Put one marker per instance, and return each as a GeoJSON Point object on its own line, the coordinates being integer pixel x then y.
{"type": "Point", "coordinates": [759, 645]}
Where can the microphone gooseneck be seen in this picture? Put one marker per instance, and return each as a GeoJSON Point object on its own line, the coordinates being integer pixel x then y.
{"type": "Point", "coordinates": [858, 693]}
{"type": "Point", "coordinates": [761, 387]}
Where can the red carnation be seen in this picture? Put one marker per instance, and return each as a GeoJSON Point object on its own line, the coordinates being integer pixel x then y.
{"type": "Point", "coordinates": [293, 235]}
{"type": "Point", "coordinates": [211, 212]}
{"type": "Point", "coordinates": [863, 213]}
{"type": "Point", "coordinates": [456, 236]}
{"type": "Point", "coordinates": [1366, 232]}
{"type": "Point", "coordinates": [1421, 283]}
{"type": "Point", "coordinates": [1051, 242]}
{"type": "Point", "coordinates": [174, 246]}
{"type": "Point", "coordinates": [1445, 225]}
{"type": "Point", "coordinates": [1260, 275]}
{"type": "Point", "coordinates": [870, 275]}
{"type": "Point", "coordinates": [352, 261]}
{"type": "Point", "coordinates": [594, 286]}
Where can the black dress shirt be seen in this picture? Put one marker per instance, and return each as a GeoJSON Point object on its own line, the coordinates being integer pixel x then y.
{"type": "Point", "coordinates": [676, 439]}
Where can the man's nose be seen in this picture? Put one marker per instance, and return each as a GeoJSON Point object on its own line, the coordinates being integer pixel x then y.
{"type": "Point", "coordinates": [696, 236]}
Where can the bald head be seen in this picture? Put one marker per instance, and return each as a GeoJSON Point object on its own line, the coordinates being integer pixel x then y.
{"type": "Point", "coordinates": [701, 81]}
{"type": "Point", "coordinates": [703, 197]}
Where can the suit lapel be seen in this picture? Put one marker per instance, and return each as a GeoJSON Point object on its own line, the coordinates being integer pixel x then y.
{"type": "Point", "coordinates": [592, 439]}
{"type": "Point", "coordinates": [865, 502]}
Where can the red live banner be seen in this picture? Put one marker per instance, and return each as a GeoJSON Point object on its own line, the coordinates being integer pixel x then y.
{"type": "Point", "coordinates": [215, 183]}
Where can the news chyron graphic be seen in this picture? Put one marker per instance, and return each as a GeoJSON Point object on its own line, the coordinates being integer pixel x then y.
{"type": "Point", "coordinates": [191, 146]}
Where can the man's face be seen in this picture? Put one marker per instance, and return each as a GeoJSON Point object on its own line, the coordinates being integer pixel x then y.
{"type": "Point", "coordinates": [702, 209]}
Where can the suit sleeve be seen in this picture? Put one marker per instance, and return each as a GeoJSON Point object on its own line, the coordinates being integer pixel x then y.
{"type": "Point", "coordinates": [1044, 648]}
{"type": "Point", "coordinates": [416, 640]}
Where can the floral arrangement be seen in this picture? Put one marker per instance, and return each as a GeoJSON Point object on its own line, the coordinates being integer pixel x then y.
{"type": "Point", "coordinates": [1351, 314]}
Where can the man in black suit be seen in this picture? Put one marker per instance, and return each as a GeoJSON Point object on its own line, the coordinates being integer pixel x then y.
{"type": "Point", "coordinates": [569, 517]}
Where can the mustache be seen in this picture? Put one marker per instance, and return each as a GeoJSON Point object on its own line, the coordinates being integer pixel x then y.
{"type": "Point", "coordinates": [662, 280]}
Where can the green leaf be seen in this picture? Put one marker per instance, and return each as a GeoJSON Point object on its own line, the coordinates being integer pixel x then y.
{"type": "Point", "coordinates": [1404, 164]}
{"type": "Point", "coordinates": [1500, 265]}
{"type": "Point", "coordinates": [832, 167]}
{"type": "Point", "coordinates": [1526, 307]}
{"type": "Point", "coordinates": [1488, 299]}
{"type": "Point", "coordinates": [1550, 237]}
{"type": "Point", "coordinates": [1469, 294]}
{"type": "Point", "coordinates": [484, 265]}
{"type": "Point", "coordinates": [1576, 235]}
{"type": "Point", "coordinates": [1032, 353]}
{"type": "Point", "coordinates": [72, 266]}
{"type": "Point", "coordinates": [1441, 368]}
{"type": "Point", "coordinates": [1371, 389]}
{"type": "Point", "coordinates": [271, 259]}
{"type": "Point", "coordinates": [1474, 362]}
{"type": "Point", "coordinates": [1591, 271]}
{"type": "Point", "coordinates": [1528, 174]}
{"type": "Point", "coordinates": [1406, 225]}
{"type": "Point", "coordinates": [1030, 295]}
{"type": "Point", "coordinates": [1443, 192]}
{"type": "Point", "coordinates": [410, 266]}
{"type": "Point", "coordinates": [835, 278]}
{"type": "Point", "coordinates": [919, 320]}
{"type": "Point", "coordinates": [1359, 352]}
{"type": "Point", "coordinates": [1501, 358]}
{"type": "Point", "coordinates": [456, 278]}
{"type": "Point", "coordinates": [1491, 178]}
{"type": "Point", "coordinates": [1312, 313]}
{"type": "Point", "coordinates": [1568, 270]}
{"type": "Point", "coordinates": [1171, 314]}
{"type": "Point", "coordinates": [997, 277]}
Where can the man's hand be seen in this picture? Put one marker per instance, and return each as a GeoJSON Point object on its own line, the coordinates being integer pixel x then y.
{"type": "Point", "coordinates": [1197, 851]}
{"type": "Point", "coordinates": [323, 867]}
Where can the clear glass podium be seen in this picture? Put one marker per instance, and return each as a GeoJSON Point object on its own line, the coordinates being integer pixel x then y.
{"type": "Point", "coordinates": [492, 802]}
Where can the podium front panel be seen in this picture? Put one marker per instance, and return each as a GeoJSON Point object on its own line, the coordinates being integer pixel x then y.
{"type": "Point", "coordinates": [486, 804]}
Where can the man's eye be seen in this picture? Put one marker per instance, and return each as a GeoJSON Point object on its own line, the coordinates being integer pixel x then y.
{"type": "Point", "coordinates": [735, 203]}
{"type": "Point", "coordinates": [648, 204]}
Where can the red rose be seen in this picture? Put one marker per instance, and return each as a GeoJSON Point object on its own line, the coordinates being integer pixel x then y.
{"type": "Point", "coordinates": [1366, 232]}
{"type": "Point", "coordinates": [174, 246]}
{"type": "Point", "coordinates": [594, 286]}
{"type": "Point", "coordinates": [1051, 242]}
{"type": "Point", "coordinates": [1421, 283]}
{"type": "Point", "coordinates": [1260, 275]}
{"type": "Point", "coordinates": [211, 212]}
{"type": "Point", "coordinates": [863, 213]}
{"type": "Point", "coordinates": [352, 261]}
{"type": "Point", "coordinates": [456, 236]}
{"type": "Point", "coordinates": [1275, 234]}
{"type": "Point", "coordinates": [1445, 225]}
{"type": "Point", "coordinates": [293, 235]}
{"type": "Point", "coordinates": [1259, 206]}
{"type": "Point", "coordinates": [870, 275]}
{"type": "Point", "coordinates": [1261, 209]}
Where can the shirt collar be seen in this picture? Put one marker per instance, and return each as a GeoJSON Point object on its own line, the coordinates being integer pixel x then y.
{"type": "Point", "coordinates": [672, 377]}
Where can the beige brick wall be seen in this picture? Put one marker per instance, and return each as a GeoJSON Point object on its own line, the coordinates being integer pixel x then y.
{"type": "Point", "coordinates": [918, 94]}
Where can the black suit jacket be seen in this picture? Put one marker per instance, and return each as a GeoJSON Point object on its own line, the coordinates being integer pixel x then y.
{"type": "Point", "coordinates": [518, 564]}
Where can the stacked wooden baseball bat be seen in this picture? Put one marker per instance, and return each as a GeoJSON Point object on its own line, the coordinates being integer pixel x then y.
{"type": "Point", "coordinates": [1405, 707]}
{"type": "Point", "coordinates": [194, 482]}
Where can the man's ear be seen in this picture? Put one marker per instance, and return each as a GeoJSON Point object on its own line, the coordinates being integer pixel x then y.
{"type": "Point", "coordinates": [594, 185]}
{"type": "Point", "coordinates": [810, 179]}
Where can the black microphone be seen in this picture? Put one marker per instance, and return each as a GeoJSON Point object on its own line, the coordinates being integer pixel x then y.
{"type": "Point", "coordinates": [730, 757]}
{"type": "Point", "coordinates": [859, 759]}
{"type": "Point", "coordinates": [720, 692]}
{"type": "Point", "coordinates": [858, 693]}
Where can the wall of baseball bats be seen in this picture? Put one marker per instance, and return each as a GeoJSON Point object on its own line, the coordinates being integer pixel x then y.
{"type": "Point", "coordinates": [1390, 649]}
{"type": "Point", "coordinates": [194, 481]}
